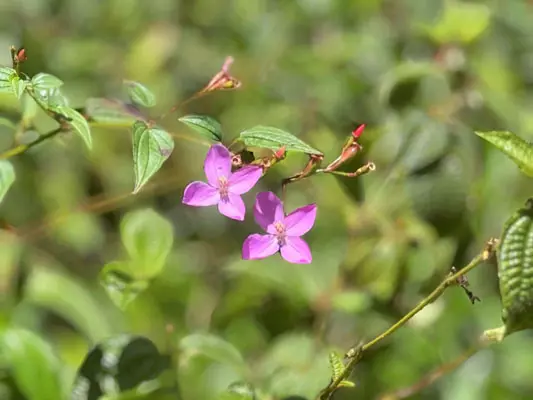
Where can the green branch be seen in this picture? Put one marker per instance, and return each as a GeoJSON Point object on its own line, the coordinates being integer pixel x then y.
{"type": "Point", "coordinates": [355, 354]}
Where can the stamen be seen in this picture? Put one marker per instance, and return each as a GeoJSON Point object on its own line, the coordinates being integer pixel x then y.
{"type": "Point", "coordinates": [223, 187]}
{"type": "Point", "coordinates": [280, 232]}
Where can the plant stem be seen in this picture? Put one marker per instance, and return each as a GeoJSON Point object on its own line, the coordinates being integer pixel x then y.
{"type": "Point", "coordinates": [20, 149]}
{"type": "Point", "coordinates": [355, 354]}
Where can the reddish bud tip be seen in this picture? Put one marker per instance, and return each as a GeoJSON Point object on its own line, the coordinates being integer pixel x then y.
{"type": "Point", "coordinates": [280, 153]}
{"type": "Point", "coordinates": [359, 131]}
{"type": "Point", "coordinates": [21, 55]}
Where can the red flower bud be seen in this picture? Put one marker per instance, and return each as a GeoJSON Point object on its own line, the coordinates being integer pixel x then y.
{"type": "Point", "coordinates": [359, 131]}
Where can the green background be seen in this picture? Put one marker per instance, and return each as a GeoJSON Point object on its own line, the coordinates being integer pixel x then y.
{"type": "Point", "coordinates": [423, 75]}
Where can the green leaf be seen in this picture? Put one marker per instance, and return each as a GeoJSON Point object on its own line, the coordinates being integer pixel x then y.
{"type": "Point", "coordinates": [404, 73]}
{"type": "Point", "coordinates": [18, 85]}
{"type": "Point", "coordinates": [148, 238]}
{"type": "Point", "coordinates": [239, 391]}
{"type": "Point", "coordinates": [6, 76]}
{"type": "Point", "coordinates": [7, 177]}
{"type": "Point", "coordinates": [515, 270]}
{"type": "Point", "coordinates": [151, 147]}
{"type": "Point", "coordinates": [126, 360]}
{"type": "Point", "coordinates": [516, 148]}
{"type": "Point", "coordinates": [46, 81]}
{"type": "Point", "coordinates": [274, 138]}
{"type": "Point", "coordinates": [112, 112]}
{"type": "Point", "coordinates": [212, 347]}
{"type": "Point", "coordinates": [206, 126]}
{"type": "Point", "coordinates": [78, 123]}
{"type": "Point", "coordinates": [140, 94]}
{"type": "Point", "coordinates": [120, 286]}
{"type": "Point", "coordinates": [8, 123]}
{"type": "Point", "coordinates": [461, 22]}
{"type": "Point", "coordinates": [139, 361]}
{"type": "Point", "coordinates": [32, 363]}
{"type": "Point", "coordinates": [336, 364]}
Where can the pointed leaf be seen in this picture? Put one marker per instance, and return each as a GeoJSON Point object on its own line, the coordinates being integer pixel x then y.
{"type": "Point", "coordinates": [206, 126]}
{"type": "Point", "coordinates": [151, 147]}
{"type": "Point", "coordinates": [273, 138]}
{"type": "Point", "coordinates": [212, 347]}
{"type": "Point", "coordinates": [32, 363]}
{"type": "Point", "coordinates": [140, 94]}
{"type": "Point", "coordinates": [18, 85]}
{"type": "Point", "coordinates": [148, 238]}
{"type": "Point", "coordinates": [120, 286]}
{"type": "Point", "coordinates": [78, 123]}
{"type": "Point", "coordinates": [46, 81]}
{"type": "Point", "coordinates": [7, 177]}
{"type": "Point", "coordinates": [345, 383]}
{"type": "Point", "coordinates": [516, 148]}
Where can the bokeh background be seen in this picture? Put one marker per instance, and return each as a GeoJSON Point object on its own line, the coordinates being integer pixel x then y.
{"type": "Point", "coordinates": [423, 76]}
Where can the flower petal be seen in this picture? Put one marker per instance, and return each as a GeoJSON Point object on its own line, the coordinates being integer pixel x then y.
{"type": "Point", "coordinates": [217, 164]}
{"type": "Point", "coordinates": [296, 251]}
{"type": "Point", "coordinates": [244, 179]}
{"type": "Point", "coordinates": [267, 210]}
{"type": "Point", "coordinates": [232, 207]}
{"type": "Point", "coordinates": [258, 246]}
{"type": "Point", "coordinates": [300, 221]}
{"type": "Point", "coordinates": [200, 194]}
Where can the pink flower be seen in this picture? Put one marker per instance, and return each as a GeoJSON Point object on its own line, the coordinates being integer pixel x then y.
{"type": "Point", "coordinates": [283, 232]}
{"type": "Point", "coordinates": [223, 187]}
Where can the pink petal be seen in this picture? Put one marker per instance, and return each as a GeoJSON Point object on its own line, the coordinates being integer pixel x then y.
{"type": "Point", "coordinates": [300, 221]}
{"type": "Point", "coordinates": [258, 246]}
{"type": "Point", "coordinates": [200, 194]}
{"type": "Point", "coordinates": [267, 210]}
{"type": "Point", "coordinates": [217, 164]}
{"type": "Point", "coordinates": [232, 207]}
{"type": "Point", "coordinates": [296, 251]}
{"type": "Point", "coordinates": [244, 179]}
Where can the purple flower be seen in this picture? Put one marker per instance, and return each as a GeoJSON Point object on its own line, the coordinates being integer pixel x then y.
{"type": "Point", "coordinates": [283, 232]}
{"type": "Point", "coordinates": [223, 187]}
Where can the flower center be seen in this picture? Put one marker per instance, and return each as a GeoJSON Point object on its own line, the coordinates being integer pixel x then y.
{"type": "Point", "coordinates": [280, 233]}
{"type": "Point", "coordinates": [223, 188]}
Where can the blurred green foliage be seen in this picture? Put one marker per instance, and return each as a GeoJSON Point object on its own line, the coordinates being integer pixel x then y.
{"type": "Point", "coordinates": [423, 76]}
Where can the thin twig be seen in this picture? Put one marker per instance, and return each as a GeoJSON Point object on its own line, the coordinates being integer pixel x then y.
{"type": "Point", "coordinates": [355, 354]}
{"type": "Point", "coordinates": [23, 148]}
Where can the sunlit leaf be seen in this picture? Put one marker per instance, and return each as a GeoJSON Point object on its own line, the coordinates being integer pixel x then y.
{"type": "Point", "coordinates": [151, 147]}
{"type": "Point", "coordinates": [516, 148]}
{"type": "Point", "coordinates": [140, 94]}
{"type": "Point", "coordinates": [6, 76]}
{"type": "Point", "coordinates": [148, 238]}
{"type": "Point", "coordinates": [120, 286]}
{"type": "Point", "coordinates": [78, 123]}
{"type": "Point", "coordinates": [7, 122]}
{"type": "Point", "coordinates": [273, 138]}
{"type": "Point", "coordinates": [46, 81]}
{"type": "Point", "coordinates": [238, 391]}
{"type": "Point", "coordinates": [206, 126]}
{"type": "Point", "coordinates": [7, 177]}
{"type": "Point", "coordinates": [212, 347]}
{"type": "Point", "coordinates": [460, 22]}
{"type": "Point", "coordinates": [18, 86]}
{"type": "Point", "coordinates": [32, 363]}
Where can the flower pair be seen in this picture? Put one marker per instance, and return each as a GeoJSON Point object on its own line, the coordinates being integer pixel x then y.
{"type": "Point", "coordinates": [224, 189]}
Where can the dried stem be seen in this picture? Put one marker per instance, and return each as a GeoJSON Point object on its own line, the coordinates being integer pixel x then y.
{"type": "Point", "coordinates": [355, 354]}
